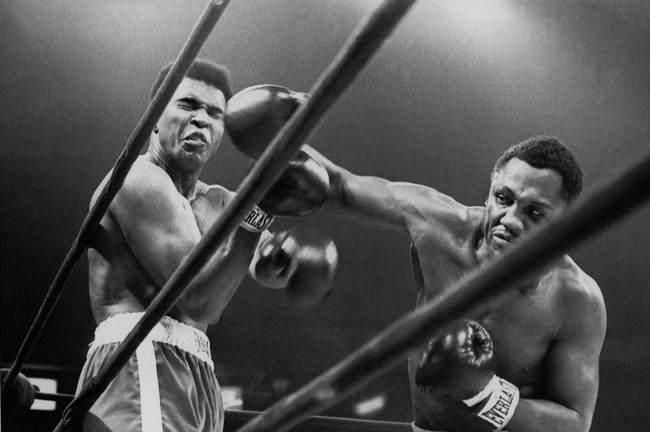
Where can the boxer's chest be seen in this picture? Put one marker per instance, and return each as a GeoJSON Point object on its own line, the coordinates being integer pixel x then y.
{"type": "Point", "coordinates": [522, 329]}
{"type": "Point", "coordinates": [206, 207]}
{"type": "Point", "coordinates": [521, 323]}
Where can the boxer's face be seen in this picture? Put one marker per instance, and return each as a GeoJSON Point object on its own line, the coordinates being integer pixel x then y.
{"type": "Point", "coordinates": [192, 125]}
{"type": "Point", "coordinates": [521, 198]}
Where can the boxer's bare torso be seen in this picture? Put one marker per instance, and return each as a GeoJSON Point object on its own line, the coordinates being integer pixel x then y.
{"type": "Point", "coordinates": [547, 332]}
{"type": "Point", "coordinates": [119, 282]}
{"type": "Point", "coordinates": [525, 324]}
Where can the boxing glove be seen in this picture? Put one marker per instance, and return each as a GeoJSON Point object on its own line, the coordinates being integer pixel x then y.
{"type": "Point", "coordinates": [253, 118]}
{"type": "Point", "coordinates": [20, 396]}
{"type": "Point", "coordinates": [255, 115]}
{"type": "Point", "coordinates": [305, 270]}
{"type": "Point", "coordinates": [302, 189]}
{"type": "Point", "coordinates": [459, 365]}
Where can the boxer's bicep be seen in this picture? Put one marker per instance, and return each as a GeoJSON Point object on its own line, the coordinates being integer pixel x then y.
{"type": "Point", "coordinates": [380, 202]}
{"type": "Point", "coordinates": [366, 199]}
{"type": "Point", "coordinates": [573, 379]}
{"type": "Point", "coordinates": [157, 224]}
{"type": "Point", "coordinates": [372, 199]}
{"type": "Point", "coordinates": [572, 364]}
{"type": "Point", "coordinates": [396, 204]}
{"type": "Point", "coordinates": [208, 204]}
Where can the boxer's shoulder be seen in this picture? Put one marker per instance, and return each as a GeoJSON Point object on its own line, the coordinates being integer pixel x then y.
{"type": "Point", "coordinates": [429, 208]}
{"type": "Point", "coordinates": [578, 295]}
{"type": "Point", "coordinates": [143, 176]}
{"type": "Point", "coordinates": [571, 280]}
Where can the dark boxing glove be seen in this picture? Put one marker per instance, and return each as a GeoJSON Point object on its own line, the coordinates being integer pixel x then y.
{"type": "Point", "coordinates": [459, 365]}
{"type": "Point", "coordinates": [302, 188]}
{"type": "Point", "coordinates": [254, 116]}
{"type": "Point", "coordinates": [305, 270]}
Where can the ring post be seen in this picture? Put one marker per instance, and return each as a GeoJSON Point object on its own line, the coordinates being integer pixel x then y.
{"type": "Point", "coordinates": [359, 48]}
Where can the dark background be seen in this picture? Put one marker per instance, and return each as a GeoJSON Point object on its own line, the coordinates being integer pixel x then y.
{"type": "Point", "coordinates": [455, 85]}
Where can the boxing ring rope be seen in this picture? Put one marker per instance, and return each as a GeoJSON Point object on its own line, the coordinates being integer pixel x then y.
{"type": "Point", "coordinates": [603, 205]}
{"type": "Point", "coordinates": [358, 49]}
{"type": "Point", "coordinates": [54, 397]}
{"type": "Point", "coordinates": [136, 141]}
{"type": "Point", "coordinates": [235, 418]}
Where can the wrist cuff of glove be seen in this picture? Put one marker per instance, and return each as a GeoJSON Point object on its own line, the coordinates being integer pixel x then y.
{"type": "Point", "coordinates": [496, 403]}
{"type": "Point", "coordinates": [257, 220]}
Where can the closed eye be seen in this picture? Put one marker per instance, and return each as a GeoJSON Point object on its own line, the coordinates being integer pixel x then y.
{"type": "Point", "coordinates": [502, 199]}
{"type": "Point", "coordinates": [187, 104]}
{"type": "Point", "coordinates": [191, 104]}
{"type": "Point", "coordinates": [216, 113]}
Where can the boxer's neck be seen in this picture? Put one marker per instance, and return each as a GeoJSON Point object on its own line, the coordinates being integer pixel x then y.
{"type": "Point", "coordinates": [184, 181]}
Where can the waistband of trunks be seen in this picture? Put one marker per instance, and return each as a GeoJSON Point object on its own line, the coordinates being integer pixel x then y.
{"type": "Point", "coordinates": [168, 330]}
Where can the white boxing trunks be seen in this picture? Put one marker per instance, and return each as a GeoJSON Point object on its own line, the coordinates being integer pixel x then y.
{"type": "Point", "coordinates": [168, 385]}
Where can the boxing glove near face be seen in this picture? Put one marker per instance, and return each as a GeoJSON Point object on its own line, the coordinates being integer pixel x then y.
{"type": "Point", "coordinates": [255, 115]}
{"type": "Point", "coordinates": [302, 189]}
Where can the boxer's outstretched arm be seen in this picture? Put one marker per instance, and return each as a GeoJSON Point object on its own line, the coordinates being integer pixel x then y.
{"type": "Point", "coordinates": [381, 202]}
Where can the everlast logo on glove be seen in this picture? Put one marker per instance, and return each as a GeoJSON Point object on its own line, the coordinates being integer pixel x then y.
{"type": "Point", "coordinates": [257, 220]}
{"type": "Point", "coordinates": [501, 404]}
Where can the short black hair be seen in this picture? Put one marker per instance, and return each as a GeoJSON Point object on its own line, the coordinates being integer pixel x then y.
{"type": "Point", "coordinates": [207, 71]}
{"type": "Point", "coordinates": [547, 152]}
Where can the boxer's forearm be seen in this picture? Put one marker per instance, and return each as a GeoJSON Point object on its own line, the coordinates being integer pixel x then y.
{"type": "Point", "coordinates": [536, 415]}
{"type": "Point", "coordinates": [212, 289]}
{"type": "Point", "coordinates": [367, 199]}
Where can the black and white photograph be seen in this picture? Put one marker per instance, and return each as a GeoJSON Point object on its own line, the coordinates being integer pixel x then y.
{"type": "Point", "coordinates": [318, 216]}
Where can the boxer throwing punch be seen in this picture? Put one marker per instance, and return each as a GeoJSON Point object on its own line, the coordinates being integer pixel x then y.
{"type": "Point", "coordinates": [529, 362]}
{"type": "Point", "coordinates": [526, 363]}
{"type": "Point", "coordinates": [156, 218]}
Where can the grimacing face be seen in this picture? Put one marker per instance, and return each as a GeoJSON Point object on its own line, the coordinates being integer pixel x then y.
{"type": "Point", "coordinates": [521, 198]}
{"type": "Point", "coordinates": [192, 125]}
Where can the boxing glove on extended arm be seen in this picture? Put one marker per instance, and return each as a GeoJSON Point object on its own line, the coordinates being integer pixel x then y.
{"type": "Point", "coordinates": [305, 270]}
{"type": "Point", "coordinates": [253, 118]}
{"type": "Point", "coordinates": [459, 364]}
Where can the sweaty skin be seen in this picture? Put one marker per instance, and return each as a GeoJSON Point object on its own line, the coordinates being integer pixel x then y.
{"type": "Point", "coordinates": [159, 215]}
{"type": "Point", "coordinates": [547, 332]}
